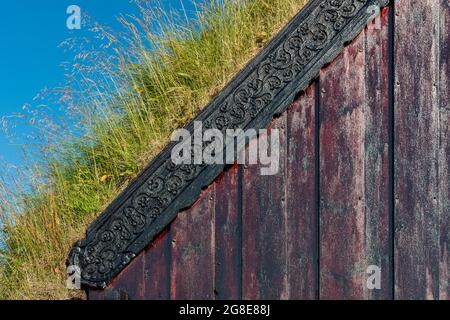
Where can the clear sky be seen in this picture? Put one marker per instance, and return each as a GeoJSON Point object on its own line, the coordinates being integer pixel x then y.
{"type": "Point", "coordinates": [30, 32]}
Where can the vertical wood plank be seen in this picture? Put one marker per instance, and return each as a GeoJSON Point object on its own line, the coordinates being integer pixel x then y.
{"type": "Point", "coordinates": [264, 229]}
{"type": "Point", "coordinates": [156, 268]}
{"type": "Point", "coordinates": [444, 150]}
{"type": "Point", "coordinates": [342, 219]}
{"type": "Point", "coordinates": [192, 258]}
{"type": "Point", "coordinates": [378, 248]}
{"type": "Point", "coordinates": [354, 174]}
{"type": "Point", "coordinates": [417, 237]}
{"type": "Point", "coordinates": [228, 236]}
{"type": "Point", "coordinates": [300, 200]}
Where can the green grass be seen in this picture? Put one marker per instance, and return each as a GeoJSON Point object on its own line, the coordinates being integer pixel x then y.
{"type": "Point", "coordinates": [154, 92]}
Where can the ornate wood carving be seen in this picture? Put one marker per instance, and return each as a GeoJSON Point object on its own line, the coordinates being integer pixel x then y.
{"type": "Point", "coordinates": [264, 88]}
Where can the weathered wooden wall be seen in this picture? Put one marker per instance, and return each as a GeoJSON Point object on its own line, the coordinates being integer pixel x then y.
{"type": "Point", "coordinates": [421, 93]}
{"type": "Point", "coordinates": [364, 180]}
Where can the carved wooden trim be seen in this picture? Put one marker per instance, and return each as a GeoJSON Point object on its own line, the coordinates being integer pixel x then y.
{"type": "Point", "coordinates": [264, 88]}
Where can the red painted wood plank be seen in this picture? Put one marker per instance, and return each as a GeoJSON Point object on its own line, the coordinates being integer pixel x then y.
{"type": "Point", "coordinates": [156, 268]}
{"type": "Point", "coordinates": [264, 229]}
{"type": "Point", "coordinates": [228, 237]}
{"type": "Point", "coordinates": [378, 248]}
{"type": "Point", "coordinates": [300, 200]}
{"type": "Point", "coordinates": [342, 233]}
{"type": "Point", "coordinates": [354, 168]}
{"type": "Point", "coordinates": [417, 238]}
{"type": "Point", "coordinates": [192, 258]}
{"type": "Point", "coordinates": [444, 148]}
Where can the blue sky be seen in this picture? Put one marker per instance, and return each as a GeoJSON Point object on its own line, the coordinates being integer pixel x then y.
{"type": "Point", "coordinates": [30, 32]}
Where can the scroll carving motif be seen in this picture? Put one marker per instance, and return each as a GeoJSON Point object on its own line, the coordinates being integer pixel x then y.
{"type": "Point", "coordinates": [106, 251]}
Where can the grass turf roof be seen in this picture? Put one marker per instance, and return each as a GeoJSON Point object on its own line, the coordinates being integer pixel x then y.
{"type": "Point", "coordinates": [156, 92]}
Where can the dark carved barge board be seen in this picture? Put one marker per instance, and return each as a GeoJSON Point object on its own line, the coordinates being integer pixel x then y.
{"type": "Point", "coordinates": [264, 88]}
{"type": "Point", "coordinates": [278, 256]}
{"type": "Point", "coordinates": [421, 149]}
{"type": "Point", "coordinates": [354, 171]}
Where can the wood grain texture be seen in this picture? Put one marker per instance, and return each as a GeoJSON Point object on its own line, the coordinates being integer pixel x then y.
{"type": "Point", "coordinates": [376, 111]}
{"type": "Point", "coordinates": [193, 246]}
{"type": "Point", "coordinates": [157, 268]}
{"type": "Point", "coordinates": [342, 218]}
{"type": "Point", "coordinates": [417, 158]}
{"type": "Point", "coordinates": [255, 237]}
{"type": "Point", "coordinates": [228, 236]}
{"type": "Point", "coordinates": [264, 229]}
{"type": "Point", "coordinates": [444, 148]}
{"type": "Point", "coordinates": [300, 200]}
{"type": "Point", "coordinates": [354, 167]}
{"type": "Point", "coordinates": [265, 87]}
